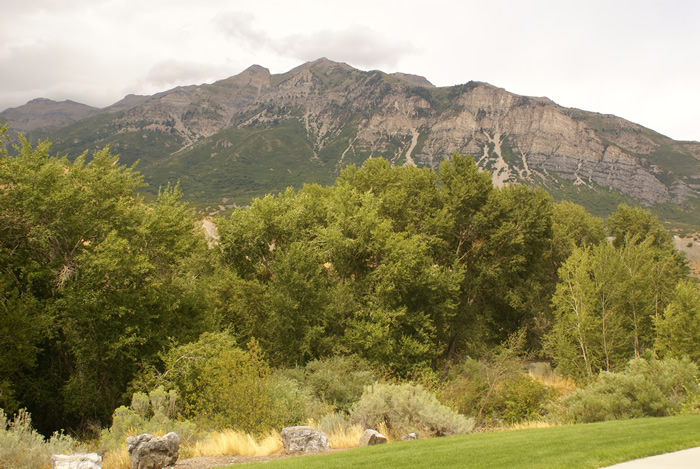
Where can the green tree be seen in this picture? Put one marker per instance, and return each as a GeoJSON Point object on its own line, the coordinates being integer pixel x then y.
{"type": "Point", "coordinates": [499, 237]}
{"type": "Point", "coordinates": [678, 329]}
{"type": "Point", "coordinates": [572, 227]}
{"type": "Point", "coordinates": [606, 302]}
{"type": "Point", "coordinates": [573, 341]}
{"type": "Point", "coordinates": [636, 225]}
{"type": "Point", "coordinates": [105, 279]}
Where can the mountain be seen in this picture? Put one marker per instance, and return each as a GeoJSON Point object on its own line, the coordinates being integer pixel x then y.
{"type": "Point", "coordinates": [257, 132]}
{"type": "Point", "coordinates": [44, 115]}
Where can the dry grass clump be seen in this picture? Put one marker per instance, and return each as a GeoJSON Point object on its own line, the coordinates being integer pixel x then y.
{"type": "Point", "coordinates": [347, 436]}
{"type": "Point", "coordinates": [543, 373]}
{"type": "Point", "coordinates": [234, 443]}
{"type": "Point", "coordinates": [116, 459]}
{"type": "Point", "coordinates": [227, 442]}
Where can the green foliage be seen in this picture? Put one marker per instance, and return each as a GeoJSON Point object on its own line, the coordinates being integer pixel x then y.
{"type": "Point", "coordinates": [155, 413]}
{"type": "Point", "coordinates": [633, 225]}
{"type": "Point", "coordinates": [495, 389]}
{"type": "Point", "coordinates": [405, 408]}
{"type": "Point", "coordinates": [21, 447]}
{"type": "Point", "coordinates": [606, 301]}
{"type": "Point", "coordinates": [572, 227]}
{"type": "Point", "coordinates": [294, 403]}
{"type": "Point", "coordinates": [95, 281]}
{"type": "Point", "coordinates": [232, 391]}
{"type": "Point", "coordinates": [224, 386]}
{"type": "Point", "coordinates": [679, 326]}
{"type": "Point", "coordinates": [339, 381]}
{"type": "Point", "coordinates": [521, 399]}
{"type": "Point", "coordinates": [646, 388]}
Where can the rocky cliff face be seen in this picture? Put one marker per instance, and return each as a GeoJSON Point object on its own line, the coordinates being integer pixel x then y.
{"type": "Point", "coordinates": [328, 114]}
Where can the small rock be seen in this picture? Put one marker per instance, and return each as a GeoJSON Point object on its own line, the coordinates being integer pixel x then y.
{"type": "Point", "coordinates": [76, 461]}
{"type": "Point", "coordinates": [371, 437]}
{"type": "Point", "coordinates": [150, 452]}
{"type": "Point", "coordinates": [410, 436]}
{"type": "Point", "coordinates": [304, 439]}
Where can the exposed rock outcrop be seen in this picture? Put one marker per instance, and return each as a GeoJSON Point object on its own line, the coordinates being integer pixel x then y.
{"type": "Point", "coordinates": [328, 114]}
{"type": "Point", "coordinates": [371, 437]}
{"type": "Point", "coordinates": [304, 439]}
{"type": "Point", "coordinates": [76, 461]}
{"type": "Point", "coordinates": [150, 452]}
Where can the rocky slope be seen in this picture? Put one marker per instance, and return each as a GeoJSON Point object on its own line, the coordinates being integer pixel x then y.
{"type": "Point", "coordinates": [257, 132]}
{"type": "Point", "coordinates": [45, 115]}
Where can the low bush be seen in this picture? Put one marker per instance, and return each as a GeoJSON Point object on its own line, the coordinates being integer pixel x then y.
{"type": "Point", "coordinates": [338, 381]}
{"type": "Point", "coordinates": [406, 408]}
{"type": "Point", "coordinates": [519, 399]}
{"type": "Point", "coordinates": [646, 388]}
{"type": "Point", "coordinates": [154, 413]}
{"type": "Point", "coordinates": [293, 403]}
{"type": "Point", "coordinates": [496, 392]}
{"type": "Point", "coordinates": [23, 447]}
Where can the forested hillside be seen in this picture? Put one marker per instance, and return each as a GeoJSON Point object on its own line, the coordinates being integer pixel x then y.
{"type": "Point", "coordinates": [412, 272]}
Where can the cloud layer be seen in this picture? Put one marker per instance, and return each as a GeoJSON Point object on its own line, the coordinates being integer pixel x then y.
{"type": "Point", "coordinates": [630, 58]}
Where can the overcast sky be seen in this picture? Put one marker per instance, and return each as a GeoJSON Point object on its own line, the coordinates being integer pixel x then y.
{"type": "Point", "coordinates": [635, 59]}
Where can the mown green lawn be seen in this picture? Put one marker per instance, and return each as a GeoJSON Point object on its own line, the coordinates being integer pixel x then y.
{"type": "Point", "coordinates": [589, 445]}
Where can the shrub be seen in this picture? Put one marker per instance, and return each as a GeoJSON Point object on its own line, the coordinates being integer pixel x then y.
{"type": "Point", "coordinates": [154, 413]}
{"type": "Point", "coordinates": [475, 388]}
{"type": "Point", "coordinates": [222, 386]}
{"type": "Point", "coordinates": [465, 387]}
{"type": "Point", "coordinates": [294, 403]}
{"type": "Point", "coordinates": [338, 381]}
{"type": "Point", "coordinates": [519, 399]}
{"type": "Point", "coordinates": [405, 408]}
{"type": "Point", "coordinates": [496, 389]}
{"type": "Point", "coordinates": [646, 388]}
{"type": "Point", "coordinates": [22, 447]}
{"type": "Point", "coordinates": [233, 390]}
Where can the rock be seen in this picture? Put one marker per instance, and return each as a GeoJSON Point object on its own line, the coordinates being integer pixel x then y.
{"type": "Point", "coordinates": [410, 436]}
{"type": "Point", "coordinates": [76, 461]}
{"type": "Point", "coordinates": [150, 452]}
{"type": "Point", "coordinates": [371, 437]}
{"type": "Point", "coordinates": [304, 439]}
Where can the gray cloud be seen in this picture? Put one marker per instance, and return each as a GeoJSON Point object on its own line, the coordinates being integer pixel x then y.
{"type": "Point", "coordinates": [238, 25]}
{"type": "Point", "coordinates": [42, 70]}
{"type": "Point", "coordinates": [174, 72]}
{"type": "Point", "coordinates": [359, 45]}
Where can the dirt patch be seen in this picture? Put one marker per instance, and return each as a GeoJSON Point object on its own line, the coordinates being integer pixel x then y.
{"type": "Point", "coordinates": [691, 247]}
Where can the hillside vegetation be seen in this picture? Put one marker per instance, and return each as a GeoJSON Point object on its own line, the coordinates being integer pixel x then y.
{"type": "Point", "coordinates": [256, 133]}
{"type": "Point", "coordinates": [398, 296]}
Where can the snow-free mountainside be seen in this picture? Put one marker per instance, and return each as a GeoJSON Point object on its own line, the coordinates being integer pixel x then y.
{"type": "Point", "coordinates": [257, 133]}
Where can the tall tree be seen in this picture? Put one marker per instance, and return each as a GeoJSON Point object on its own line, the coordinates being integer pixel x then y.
{"type": "Point", "coordinates": [105, 278]}
{"type": "Point", "coordinates": [678, 329]}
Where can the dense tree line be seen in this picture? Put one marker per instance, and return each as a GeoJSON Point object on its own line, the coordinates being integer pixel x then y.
{"type": "Point", "coordinates": [404, 267]}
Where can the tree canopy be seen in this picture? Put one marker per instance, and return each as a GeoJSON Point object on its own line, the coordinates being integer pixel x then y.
{"type": "Point", "coordinates": [405, 268]}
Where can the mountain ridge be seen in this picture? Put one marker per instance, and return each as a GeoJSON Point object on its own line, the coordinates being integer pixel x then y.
{"type": "Point", "coordinates": [257, 132]}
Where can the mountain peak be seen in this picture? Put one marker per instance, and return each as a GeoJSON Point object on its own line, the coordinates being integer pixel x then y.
{"type": "Point", "coordinates": [413, 79]}
{"type": "Point", "coordinates": [254, 133]}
